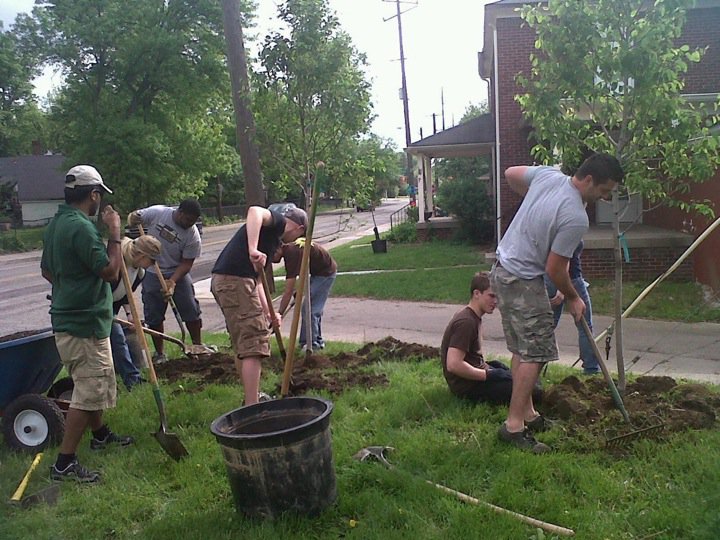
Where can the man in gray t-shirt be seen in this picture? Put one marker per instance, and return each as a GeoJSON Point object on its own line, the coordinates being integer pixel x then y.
{"type": "Point", "coordinates": [541, 239]}
{"type": "Point", "coordinates": [180, 241]}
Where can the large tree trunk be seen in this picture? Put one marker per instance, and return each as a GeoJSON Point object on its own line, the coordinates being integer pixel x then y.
{"type": "Point", "coordinates": [244, 121]}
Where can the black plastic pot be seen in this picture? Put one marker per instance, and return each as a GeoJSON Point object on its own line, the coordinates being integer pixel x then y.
{"type": "Point", "coordinates": [278, 456]}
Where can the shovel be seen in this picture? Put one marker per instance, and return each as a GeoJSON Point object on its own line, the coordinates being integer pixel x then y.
{"type": "Point", "coordinates": [187, 351]}
{"type": "Point", "coordinates": [48, 495]}
{"type": "Point", "coordinates": [271, 309]}
{"type": "Point", "coordinates": [169, 441]}
{"type": "Point", "coordinates": [163, 284]}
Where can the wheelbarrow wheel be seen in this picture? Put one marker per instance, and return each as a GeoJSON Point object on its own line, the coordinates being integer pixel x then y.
{"type": "Point", "coordinates": [32, 422]}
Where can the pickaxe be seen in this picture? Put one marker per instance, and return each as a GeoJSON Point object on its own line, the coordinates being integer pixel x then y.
{"type": "Point", "coordinates": [378, 453]}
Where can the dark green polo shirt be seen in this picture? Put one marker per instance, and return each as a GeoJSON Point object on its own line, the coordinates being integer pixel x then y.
{"type": "Point", "coordinates": [75, 254]}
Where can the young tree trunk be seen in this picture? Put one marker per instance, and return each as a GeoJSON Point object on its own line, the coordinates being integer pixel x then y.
{"type": "Point", "coordinates": [244, 121]}
{"type": "Point", "coordinates": [618, 292]}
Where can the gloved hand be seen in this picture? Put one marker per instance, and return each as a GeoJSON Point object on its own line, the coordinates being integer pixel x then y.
{"type": "Point", "coordinates": [134, 218]}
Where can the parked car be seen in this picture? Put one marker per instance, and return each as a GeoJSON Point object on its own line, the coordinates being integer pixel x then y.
{"type": "Point", "coordinates": [283, 207]}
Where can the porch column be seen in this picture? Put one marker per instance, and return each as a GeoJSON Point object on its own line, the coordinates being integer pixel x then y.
{"type": "Point", "coordinates": [427, 164]}
{"type": "Point", "coordinates": [421, 192]}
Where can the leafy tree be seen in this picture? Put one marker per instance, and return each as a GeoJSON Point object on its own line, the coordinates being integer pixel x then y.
{"type": "Point", "coordinates": [614, 84]}
{"type": "Point", "coordinates": [313, 100]}
{"type": "Point", "coordinates": [142, 81]}
{"type": "Point", "coordinates": [21, 121]}
{"type": "Point", "coordinates": [608, 76]}
{"type": "Point", "coordinates": [446, 169]}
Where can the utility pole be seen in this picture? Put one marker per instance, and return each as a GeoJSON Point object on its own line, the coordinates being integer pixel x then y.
{"type": "Point", "coordinates": [403, 89]}
{"type": "Point", "coordinates": [442, 106]}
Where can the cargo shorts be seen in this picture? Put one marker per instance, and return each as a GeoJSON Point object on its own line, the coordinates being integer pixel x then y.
{"type": "Point", "coordinates": [244, 317]}
{"type": "Point", "coordinates": [89, 362]}
{"type": "Point", "coordinates": [527, 317]}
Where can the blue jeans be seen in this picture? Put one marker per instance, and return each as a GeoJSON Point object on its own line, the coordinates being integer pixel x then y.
{"type": "Point", "coordinates": [319, 291]}
{"type": "Point", "coordinates": [587, 355]}
{"type": "Point", "coordinates": [124, 365]}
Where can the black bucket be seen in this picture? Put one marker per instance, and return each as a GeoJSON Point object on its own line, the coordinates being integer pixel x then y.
{"type": "Point", "coordinates": [379, 246]}
{"type": "Point", "coordinates": [278, 456]}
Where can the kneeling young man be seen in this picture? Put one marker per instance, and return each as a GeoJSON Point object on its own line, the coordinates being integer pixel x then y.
{"type": "Point", "coordinates": [466, 372]}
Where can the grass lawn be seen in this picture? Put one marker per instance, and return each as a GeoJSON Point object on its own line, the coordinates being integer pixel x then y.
{"type": "Point", "coordinates": [25, 239]}
{"type": "Point", "coordinates": [441, 271]}
{"type": "Point", "coordinates": [660, 490]}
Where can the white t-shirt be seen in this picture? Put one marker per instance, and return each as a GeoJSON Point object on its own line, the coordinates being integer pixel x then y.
{"type": "Point", "coordinates": [552, 217]}
{"type": "Point", "coordinates": [177, 243]}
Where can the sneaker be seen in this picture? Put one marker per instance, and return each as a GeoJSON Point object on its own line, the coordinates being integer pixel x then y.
{"type": "Point", "coordinates": [76, 472]}
{"type": "Point", "coordinates": [539, 423]}
{"type": "Point", "coordinates": [111, 439]}
{"type": "Point", "coordinates": [159, 358]}
{"type": "Point", "coordinates": [591, 371]}
{"type": "Point", "coordinates": [522, 440]}
{"type": "Point", "coordinates": [263, 397]}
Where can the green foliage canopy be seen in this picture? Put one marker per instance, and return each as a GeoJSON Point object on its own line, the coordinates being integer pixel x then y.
{"type": "Point", "coordinates": [608, 75]}
{"type": "Point", "coordinates": [142, 80]}
{"type": "Point", "coordinates": [313, 101]}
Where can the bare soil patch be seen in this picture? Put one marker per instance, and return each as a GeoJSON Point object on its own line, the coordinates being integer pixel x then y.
{"type": "Point", "coordinates": [333, 373]}
{"type": "Point", "coordinates": [583, 407]}
{"type": "Point", "coordinates": [586, 408]}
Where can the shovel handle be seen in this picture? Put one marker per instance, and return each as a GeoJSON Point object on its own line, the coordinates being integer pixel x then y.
{"type": "Point", "coordinates": [271, 309]}
{"type": "Point", "coordinates": [20, 491]}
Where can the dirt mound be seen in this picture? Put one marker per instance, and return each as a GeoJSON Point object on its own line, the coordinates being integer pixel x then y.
{"type": "Point", "coordinates": [334, 373]}
{"type": "Point", "coordinates": [586, 407]}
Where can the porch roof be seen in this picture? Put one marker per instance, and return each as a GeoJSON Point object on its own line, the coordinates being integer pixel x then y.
{"type": "Point", "coordinates": [469, 139]}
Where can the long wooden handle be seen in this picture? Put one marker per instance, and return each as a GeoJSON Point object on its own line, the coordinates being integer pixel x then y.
{"type": "Point", "coordinates": [300, 289]}
{"type": "Point", "coordinates": [557, 529]}
{"type": "Point", "coordinates": [20, 491]}
{"type": "Point", "coordinates": [271, 309]}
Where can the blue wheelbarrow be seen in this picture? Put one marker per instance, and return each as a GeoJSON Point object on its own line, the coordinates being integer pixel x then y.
{"type": "Point", "coordinates": [32, 404]}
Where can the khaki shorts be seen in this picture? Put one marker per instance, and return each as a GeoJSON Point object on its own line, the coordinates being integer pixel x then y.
{"type": "Point", "coordinates": [244, 317]}
{"type": "Point", "coordinates": [89, 363]}
{"type": "Point", "coordinates": [527, 317]}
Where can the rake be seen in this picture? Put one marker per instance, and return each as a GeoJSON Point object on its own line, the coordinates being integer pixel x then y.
{"type": "Point", "coordinates": [619, 441]}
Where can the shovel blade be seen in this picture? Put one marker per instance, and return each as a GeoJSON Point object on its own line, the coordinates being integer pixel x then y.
{"type": "Point", "coordinates": [48, 496]}
{"type": "Point", "coordinates": [171, 444]}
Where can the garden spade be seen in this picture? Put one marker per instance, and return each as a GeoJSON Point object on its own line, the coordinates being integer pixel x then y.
{"type": "Point", "coordinates": [169, 441]}
{"type": "Point", "coordinates": [170, 300]}
{"type": "Point", "coordinates": [48, 495]}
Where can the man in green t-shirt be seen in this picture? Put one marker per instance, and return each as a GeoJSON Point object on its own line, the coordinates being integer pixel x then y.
{"type": "Point", "coordinates": [79, 266]}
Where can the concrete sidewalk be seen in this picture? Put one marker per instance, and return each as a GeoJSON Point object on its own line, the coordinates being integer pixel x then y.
{"type": "Point", "coordinates": [651, 347]}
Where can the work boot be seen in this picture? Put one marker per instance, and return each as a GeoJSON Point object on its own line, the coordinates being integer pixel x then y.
{"type": "Point", "coordinates": [111, 439]}
{"type": "Point", "coordinates": [539, 423]}
{"type": "Point", "coordinates": [76, 472]}
{"type": "Point", "coordinates": [522, 440]}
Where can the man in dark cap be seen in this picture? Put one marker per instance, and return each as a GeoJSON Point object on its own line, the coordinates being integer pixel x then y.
{"type": "Point", "coordinates": [238, 289]}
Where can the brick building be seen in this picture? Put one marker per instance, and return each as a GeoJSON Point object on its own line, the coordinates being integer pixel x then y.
{"type": "Point", "coordinates": [664, 233]}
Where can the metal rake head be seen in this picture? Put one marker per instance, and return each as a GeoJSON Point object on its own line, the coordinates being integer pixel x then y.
{"type": "Point", "coordinates": [374, 452]}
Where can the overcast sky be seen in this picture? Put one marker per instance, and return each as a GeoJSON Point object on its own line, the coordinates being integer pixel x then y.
{"type": "Point", "coordinates": [441, 41]}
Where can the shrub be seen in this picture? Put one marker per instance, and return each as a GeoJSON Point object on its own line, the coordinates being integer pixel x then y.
{"type": "Point", "coordinates": [468, 200]}
{"type": "Point", "coordinates": [403, 234]}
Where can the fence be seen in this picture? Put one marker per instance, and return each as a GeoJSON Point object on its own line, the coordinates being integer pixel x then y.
{"type": "Point", "coordinates": [400, 216]}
